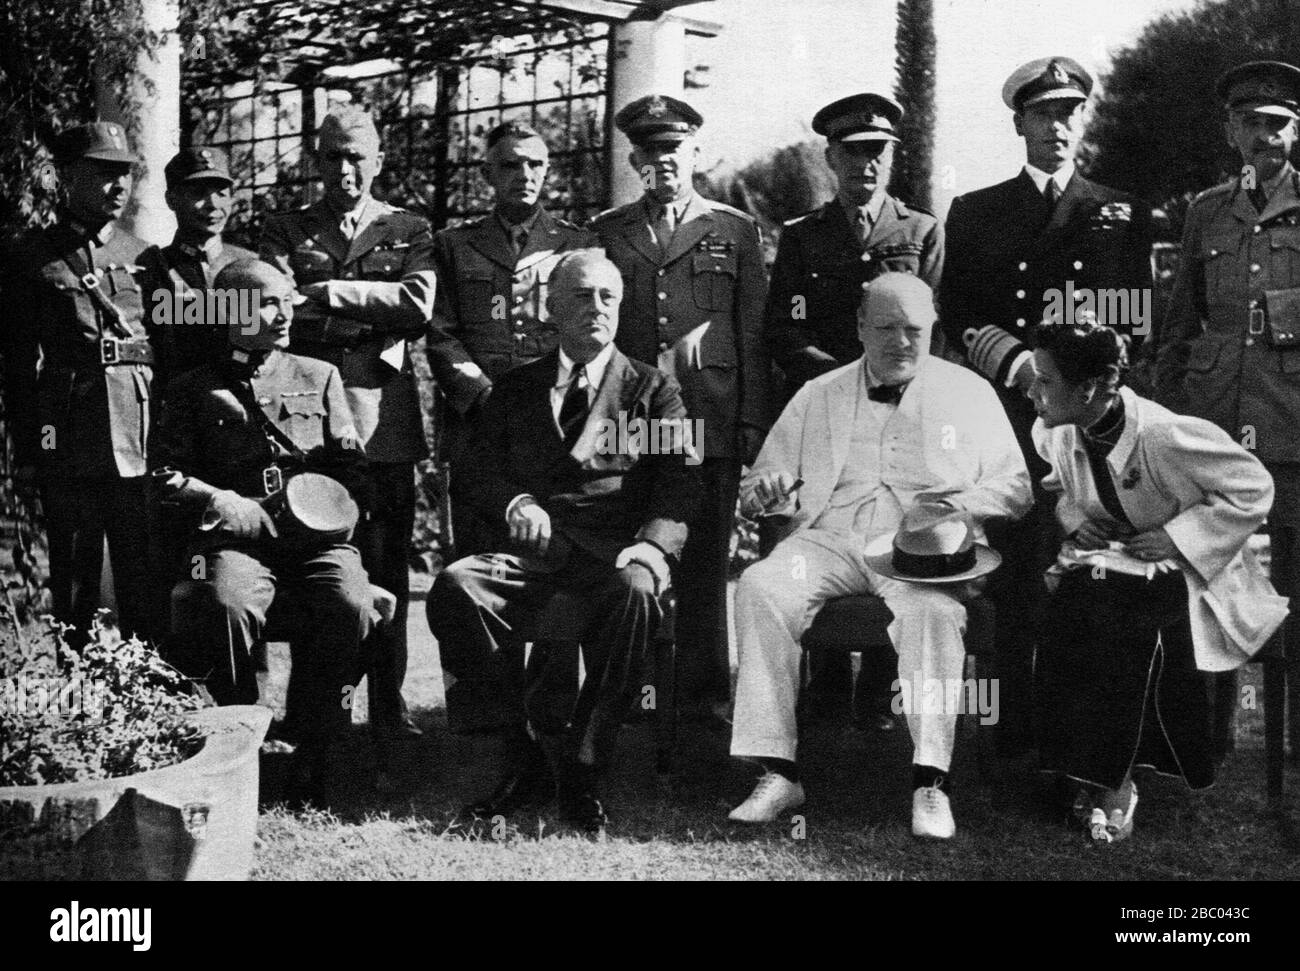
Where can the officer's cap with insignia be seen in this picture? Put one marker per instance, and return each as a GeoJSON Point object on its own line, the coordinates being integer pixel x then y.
{"type": "Point", "coordinates": [658, 118]}
{"type": "Point", "coordinates": [1265, 87]}
{"type": "Point", "coordinates": [198, 163]}
{"type": "Point", "coordinates": [350, 122]}
{"type": "Point", "coordinates": [104, 141]}
{"type": "Point", "coordinates": [1046, 79]}
{"type": "Point", "coordinates": [514, 128]}
{"type": "Point", "coordinates": [859, 118]}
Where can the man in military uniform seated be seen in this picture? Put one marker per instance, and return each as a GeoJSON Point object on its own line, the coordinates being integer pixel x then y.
{"type": "Point", "coordinates": [231, 437]}
{"type": "Point", "coordinates": [179, 274]}
{"type": "Point", "coordinates": [576, 512]}
{"type": "Point", "coordinates": [366, 269]}
{"type": "Point", "coordinates": [78, 369]}
{"type": "Point", "coordinates": [825, 256]}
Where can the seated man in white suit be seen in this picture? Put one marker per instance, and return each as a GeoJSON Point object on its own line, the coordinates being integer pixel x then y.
{"type": "Point", "coordinates": [852, 452]}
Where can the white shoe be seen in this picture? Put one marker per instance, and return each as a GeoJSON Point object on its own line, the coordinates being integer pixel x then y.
{"type": "Point", "coordinates": [773, 795]}
{"type": "Point", "coordinates": [932, 814]}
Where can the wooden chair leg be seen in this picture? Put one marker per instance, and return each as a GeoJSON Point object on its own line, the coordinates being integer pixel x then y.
{"type": "Point", "coordinates": [1274, 722]}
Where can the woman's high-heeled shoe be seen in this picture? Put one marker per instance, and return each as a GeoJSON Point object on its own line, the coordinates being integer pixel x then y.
{"type": "Point", "coordinates": [1118, 826]}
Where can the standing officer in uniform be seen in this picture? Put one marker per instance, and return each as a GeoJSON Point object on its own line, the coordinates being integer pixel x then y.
{"type": "Point", "coordinates": [1009, 246]}
{"type": "Point", "coordinates": [693, 305]}
{"type": "Point", "coordinates": [199, 193]}
{"type": "Point", "coordinates": [811, 325]}
{"type": "Point", "coordinates": [1229, 348]}
{"type": "Point", "coordinates": [490, 312]}
{"type": "Point", "coordinates": [825, 256]}
{"type": "Point", "coordinates": [78, 368]}
{"type": "Point", "coordinates": [232, 436]}
{"type": "Point", "coordinates": [366, 269]}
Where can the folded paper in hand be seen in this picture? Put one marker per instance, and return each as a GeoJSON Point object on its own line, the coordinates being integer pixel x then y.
{"type": "Point", "coordinates": [1113, 558]}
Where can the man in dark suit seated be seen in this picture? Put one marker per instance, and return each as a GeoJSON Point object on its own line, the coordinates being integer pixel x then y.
{"type": "Point", "coordinates": [577, 509]}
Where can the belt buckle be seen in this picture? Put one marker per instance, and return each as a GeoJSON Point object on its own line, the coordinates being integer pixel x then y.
{"type": "Point", "coordinates": [90, 280]}
{"type": "Point", "coordinates": [1256, 326]}
{"type": "Point", "coordinates": [108, 351]}
{"type": "Point", "coordinates": [272, 479]}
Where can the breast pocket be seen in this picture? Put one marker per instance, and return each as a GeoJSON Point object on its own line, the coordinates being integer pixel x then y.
{"type": "Point", "coordinates": [382, 263]}
{"type": "Point", "coordinates": [1284, 255]}
{"type": "Point", "coordinates": [713, 280]}
{"type": "Point", "coordinates": [1219, 256]}
{"type": "Point", "coordinates": [477, 290]}
{"type": "Point", "coordinates": [120, 285]}
{"type": "Point", "coordinates": [303, 419]}
{"type": "Point", "coordinates": [311, 264]}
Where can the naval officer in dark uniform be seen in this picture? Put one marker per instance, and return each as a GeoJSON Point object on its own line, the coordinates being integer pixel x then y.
{"type": "Point", "coordinates": [78, 376]}
{"type": "Point", "coordinates": [1009, 248]}
{"type": "Point", "coordinates": [825, 256]}
{"type": "Point", "coordinates": [694, 288]}
{"type": "Point", "coordinates": [366, 269]}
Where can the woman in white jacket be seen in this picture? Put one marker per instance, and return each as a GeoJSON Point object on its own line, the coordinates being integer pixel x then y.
{"type": "Point", "coordinates": [1119, 669]}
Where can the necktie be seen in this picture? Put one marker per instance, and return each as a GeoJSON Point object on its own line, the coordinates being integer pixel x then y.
{"type": "Point", "coordinates": [574, 408]}
{"type": "Point", "coordinates": [889, 394]}
{"type": "Point", "coordinates": [1258, 198]}
{"type": "Point", "coordinates": [665, 225]}
{"type": "Point", "coordinates": [861, 225]}
{"type": "Point", "coordinates": [518, 238]}
{"type": "Point", "coordinates": [348, 225]}
{"type": "Point", "coordinates": [1051, 192]}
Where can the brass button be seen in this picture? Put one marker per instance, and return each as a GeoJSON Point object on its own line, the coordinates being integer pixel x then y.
{"type": "Point", "coordinates": [1254, 268]}
{"type": "Point", "coordinates": [1258, 227]}
{"type": "Point", "coordinates": [1020, 294]}
{"type": "Point", "coordinates": [663, 320]}
{"type": "Point", "coordinates": [662, 295]}
{"type": "Point", "coordinates": [662, 272]}
{"type": "Point", "coordinates": [663, 345]}
{"type": "Point", "coordinates": [1020, 322]}
{"type": "Point", "coordinates": [1022, 267]}
{"type": "Point", "coordinates": [1078, 264]}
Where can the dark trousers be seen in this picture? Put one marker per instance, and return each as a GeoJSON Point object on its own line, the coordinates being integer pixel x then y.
{"type": "Point", "coordinates": [1284, 570]}
{"type": "Point", "coordinates": [320, 598]}
{"type": "Point", "coordinates": [1118, 684]}
{"type": "Point", "coordinates": [79, 514]}
{"type": "Point", "coordinates": [703, 659]}
{"type": "Point", "coordinates": [482, 608]}
{"type": "Point", "coordinates": [384, 540]}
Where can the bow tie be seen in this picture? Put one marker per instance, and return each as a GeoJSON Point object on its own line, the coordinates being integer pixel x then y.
{"type": "Point", "coordinates": [890, 394]}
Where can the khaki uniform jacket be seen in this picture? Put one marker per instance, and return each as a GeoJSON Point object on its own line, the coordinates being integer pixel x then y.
{"type": "Point", "coordinates": [94, 418]}
{"type": "Point", "coordinates": [1239, 277]}
{"type": "Point", "coordinates": [380, 295]}
{"type": "Point", "coordinates": [821, 260]}
{"type": "Point", "coordinates": [695, 310]}
{"type": "Point", "coordinates": [208, 440]}
{"type": "Point", "coordinates": [490, 313]}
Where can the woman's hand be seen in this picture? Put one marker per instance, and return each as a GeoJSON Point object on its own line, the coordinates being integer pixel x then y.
{"type": "Point", "coordinates": [1093, 536]}
{"type": "Point", "coordinates": [1155, 544]}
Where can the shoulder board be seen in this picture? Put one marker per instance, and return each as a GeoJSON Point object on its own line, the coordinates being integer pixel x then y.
{"type": "Point", "coordinates": [913, 207]}
{"type": "Point", "coordinates": [564, 223]}
{"type": "Point", "coordinates": [615, 212]}
{"type": "Point", "coordinates": [730, 210]}
{"type": "Point", "coordinates": [465, 227]}
{"type": "Point", "coordinates": [801, 218]}
{"type": "Point", "coordinates": [1222, 189]}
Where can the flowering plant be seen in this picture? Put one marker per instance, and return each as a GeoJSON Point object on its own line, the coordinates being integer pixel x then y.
{"type": "Point", "coordinates": [110, 708]}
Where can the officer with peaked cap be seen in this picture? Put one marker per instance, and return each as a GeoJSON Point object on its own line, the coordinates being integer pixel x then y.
{"type": "Point", "coordinates": [693, 306]}
{"type": "Point", "coordinates": [1010, 246]}
{"type": "Point", "coordinates": [199, 192]}
{"type": "Point", "coordinates": [78, 370]}
{"type": "Point", "coordinates": [367, 271]}
{"type": "Point", "coordinates": [234, 437]}
{"type": "Point", "coordinates": [825, 256]}
{"type": "Point", "coordinates": [822, 262]}
{"type": "Point", "coordinates": [1229, 346]}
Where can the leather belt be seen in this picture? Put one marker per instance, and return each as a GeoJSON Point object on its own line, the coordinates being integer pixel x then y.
{"type": "Point", "coordinates": [113, 350]}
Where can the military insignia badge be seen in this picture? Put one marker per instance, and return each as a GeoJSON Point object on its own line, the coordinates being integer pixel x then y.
{"type": "Point", "coordinates": [656, 108]}
{"type": "Point", "coordinates": [1268, 89]}
{"type": "Point", "coordinates": [1058, 73]}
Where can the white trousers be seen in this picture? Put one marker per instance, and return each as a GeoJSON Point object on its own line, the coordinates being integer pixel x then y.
{"type": "Point", "coordinates": [776, 601]}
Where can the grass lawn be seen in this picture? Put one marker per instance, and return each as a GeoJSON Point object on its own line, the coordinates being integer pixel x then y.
{"type": "Point", "coordinates": [855, 825]}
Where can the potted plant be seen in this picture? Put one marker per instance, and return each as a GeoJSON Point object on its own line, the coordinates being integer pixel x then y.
{"type": "Point", "coordinates": [111, 769]}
